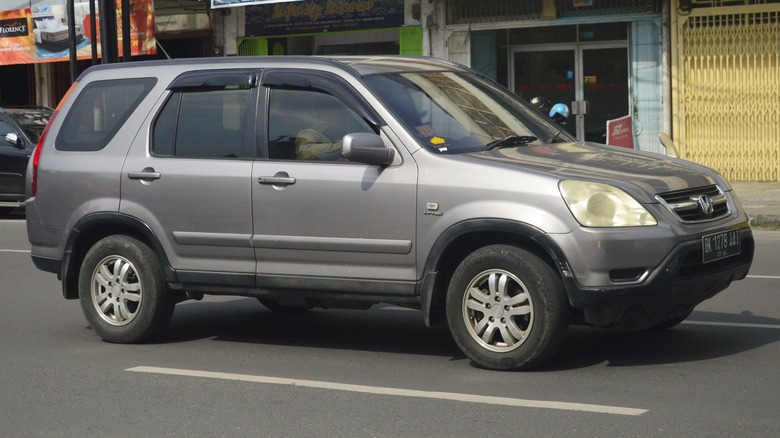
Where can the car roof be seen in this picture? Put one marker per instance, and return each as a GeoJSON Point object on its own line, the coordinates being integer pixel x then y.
{"type": "Point", "coordinates": [356, 65]}
{"type": "Point", "coordinates": [369, 65]}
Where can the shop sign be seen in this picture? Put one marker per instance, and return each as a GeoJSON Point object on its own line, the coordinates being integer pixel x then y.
{"type": "Point", "coordinates": [36, 30]}
{"type": "Point", "coordinates": [316, 16]}
{"type": "Point", "coordinates": [620, 132]}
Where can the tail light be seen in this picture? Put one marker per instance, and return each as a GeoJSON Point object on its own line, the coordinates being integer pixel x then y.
{"type": "Point", "coordinates": [36, 158]}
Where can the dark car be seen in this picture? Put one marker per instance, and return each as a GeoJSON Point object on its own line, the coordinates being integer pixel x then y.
{"type": "Point", "coordinates": [20, 129]}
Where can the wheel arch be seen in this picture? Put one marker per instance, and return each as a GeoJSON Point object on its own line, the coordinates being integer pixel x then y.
{"type": "Point", "coordinates": [462, 239]}
{"type": "Point", "coordinates": [96, 226]}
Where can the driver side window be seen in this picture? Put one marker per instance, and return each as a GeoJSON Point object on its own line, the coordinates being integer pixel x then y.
{"type": "Point", "coordinates": [308, 124]}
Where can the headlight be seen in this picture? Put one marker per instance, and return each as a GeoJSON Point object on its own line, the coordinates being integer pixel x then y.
{"type": "Point", "coordinates": [602, 205]}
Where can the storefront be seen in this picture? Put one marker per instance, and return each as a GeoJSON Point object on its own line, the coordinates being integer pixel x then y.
{"type": "Point", "coordinates": [34, 58]}
{"type": "Point", "coordinates": [328, 27]}
{"type": "Point", "coordinates": [725, 77]}
{"type": "Point", "coordinates": [604, 59]}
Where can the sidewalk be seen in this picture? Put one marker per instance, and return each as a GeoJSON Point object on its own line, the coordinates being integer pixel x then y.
{"type": "Point", "coordinates": [761, 200]}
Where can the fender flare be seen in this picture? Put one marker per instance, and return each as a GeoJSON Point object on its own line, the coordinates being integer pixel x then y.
{"type": "Point", "coordinates": [430, 296]}
{"type": "Point", "coordinates": [69, 272]}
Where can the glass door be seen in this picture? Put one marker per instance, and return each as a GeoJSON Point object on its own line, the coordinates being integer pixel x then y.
{"type": "Point", "coordinates": [591, 78]}
{"type": "Point", "coordinates": [604, 89]}
{"type": "Point", "coordinates": [546, 77]}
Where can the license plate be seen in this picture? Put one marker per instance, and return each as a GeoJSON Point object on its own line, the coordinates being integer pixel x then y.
{"type": "Point", "coordinates": [721, 245]}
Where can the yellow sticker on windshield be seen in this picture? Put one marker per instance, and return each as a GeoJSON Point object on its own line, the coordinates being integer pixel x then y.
{"type": "Point", "coordinates": [438, 140]}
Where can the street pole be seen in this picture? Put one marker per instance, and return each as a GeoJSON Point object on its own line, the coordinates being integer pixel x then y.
{"type": "Point", "coordinates": [126, 37]}
{"type": "Point", "coordinates": [108, 33]}
{"type": "Point", "coordinates": [72, 39]}
{"type": "Point", "coordinates": [94, 31]}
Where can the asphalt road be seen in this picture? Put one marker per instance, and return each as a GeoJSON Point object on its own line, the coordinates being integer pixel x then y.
{"type": "Point", "coordinates": [229, 367]}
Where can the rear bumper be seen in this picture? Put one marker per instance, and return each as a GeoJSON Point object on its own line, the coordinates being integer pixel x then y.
{"type": "Point", "coordinates": [47, 264]}
{"type": "Point", "coordinates": [673, 289]}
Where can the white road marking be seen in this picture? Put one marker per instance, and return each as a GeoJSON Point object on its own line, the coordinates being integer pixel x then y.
{"type": "Point", "coordinates": [378, 390]}
{"type": "Point", "coordinates": [734, 324]}
{"type": "Point", "coordinates": [766, 277]}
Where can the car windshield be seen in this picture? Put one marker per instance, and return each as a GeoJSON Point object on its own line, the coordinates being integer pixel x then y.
{"type": "Point", "coordinates": [451, 112]}
{"type": "Point", "coordinates": [32, 121]}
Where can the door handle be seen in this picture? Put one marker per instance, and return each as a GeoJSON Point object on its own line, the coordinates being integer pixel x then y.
{"type": "Point", "coordinates": [276, 180]}
{"type": "Point", "coordinates": [146, 174]}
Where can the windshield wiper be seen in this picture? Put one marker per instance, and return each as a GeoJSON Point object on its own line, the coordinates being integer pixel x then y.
{"type": "Point", "coordinates": [512, 140]}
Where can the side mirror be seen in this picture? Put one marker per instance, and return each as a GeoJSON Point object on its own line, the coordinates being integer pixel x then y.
{"type": "Point", "coordinates": [366, 148]}
{"type": "Point", "coordinates": [13, 139]}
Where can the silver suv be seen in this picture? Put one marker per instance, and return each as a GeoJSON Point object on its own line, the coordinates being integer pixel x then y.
{"type": "Point", "coordinates": [345, 182]}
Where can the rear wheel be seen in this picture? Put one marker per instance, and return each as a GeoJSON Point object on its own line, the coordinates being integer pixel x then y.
{"type": "Point", "coordinates": [506, 308]}
{"type": "Point", "coordinates": [122, 291]}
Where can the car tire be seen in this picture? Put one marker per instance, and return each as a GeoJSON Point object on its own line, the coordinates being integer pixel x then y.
{"type": "Point", "coordinates": [122, 291]}
{"type": "Point", "coordinates": [528, 325]}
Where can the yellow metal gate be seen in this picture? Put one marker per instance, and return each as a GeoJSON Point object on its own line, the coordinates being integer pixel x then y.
{"type": "Point", "coordinates": [726, 92]}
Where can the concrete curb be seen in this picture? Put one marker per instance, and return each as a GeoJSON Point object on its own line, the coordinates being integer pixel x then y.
{"type": "Point", "coordinates": [765, 222]}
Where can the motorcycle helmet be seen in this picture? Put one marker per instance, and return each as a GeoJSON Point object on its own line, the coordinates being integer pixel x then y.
{"type": "Point", "coordinates": [541, 103]}
{"type": "Point", "coordinates": [559, 112]}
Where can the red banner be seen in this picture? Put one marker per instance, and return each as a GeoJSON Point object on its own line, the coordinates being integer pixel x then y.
{"type": "Point", "coordinates": [40, 33]}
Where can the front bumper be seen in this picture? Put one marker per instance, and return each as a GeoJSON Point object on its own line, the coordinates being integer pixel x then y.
{"type": "Point", "coordinates": [672, 289]}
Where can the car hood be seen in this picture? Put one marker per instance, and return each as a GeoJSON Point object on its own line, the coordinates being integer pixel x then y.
{"type": "Point", "coordinates": [642, 174]}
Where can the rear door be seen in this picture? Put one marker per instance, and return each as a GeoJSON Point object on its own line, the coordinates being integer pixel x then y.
{"type": "Point", "coordinates": [189, 178]}
{"type": "Point", "coordinates": [322, 222]}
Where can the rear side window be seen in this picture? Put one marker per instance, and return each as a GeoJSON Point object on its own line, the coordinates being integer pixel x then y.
{"type": "Point", "coordinates": [99, 111]}
{"type": "Point", "coordinates": [207, 122]}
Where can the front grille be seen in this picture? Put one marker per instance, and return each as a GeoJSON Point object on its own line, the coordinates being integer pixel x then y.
{"type": "Point", "coordinates": [698, 204]}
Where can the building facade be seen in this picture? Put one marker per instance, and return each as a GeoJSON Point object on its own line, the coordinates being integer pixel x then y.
{"type": "Point", "coordinates": [725, 68]}
{"type": "Point", "coordinates": [703, 72]}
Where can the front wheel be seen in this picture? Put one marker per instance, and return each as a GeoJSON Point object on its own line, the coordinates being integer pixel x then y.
{"type": "Point", "coordinates": [506, 308]}
{"type": "Point", "coordinates": [122, 290]}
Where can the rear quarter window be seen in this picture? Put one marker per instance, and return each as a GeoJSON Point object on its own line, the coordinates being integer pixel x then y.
{"type": "Point", "coordinates": [99, 112]}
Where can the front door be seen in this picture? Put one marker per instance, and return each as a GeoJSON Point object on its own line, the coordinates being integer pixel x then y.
{"type": "Point", "coordinates": [321, 222]}
{"type": "Point", "coordinates": [591, 78]}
